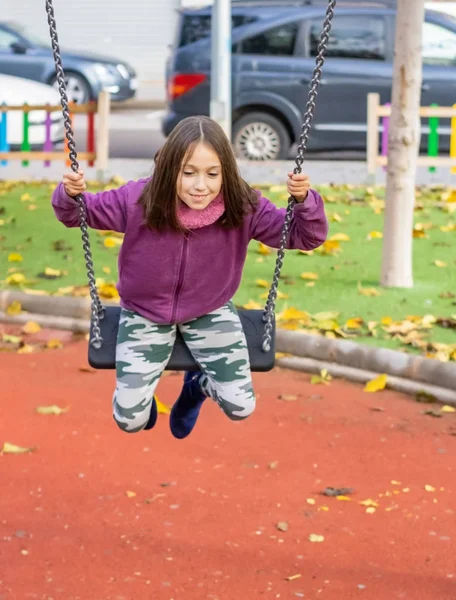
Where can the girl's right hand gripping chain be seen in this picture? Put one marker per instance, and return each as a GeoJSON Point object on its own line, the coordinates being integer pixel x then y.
{"type": "Point", "coordinates": [74, 183]}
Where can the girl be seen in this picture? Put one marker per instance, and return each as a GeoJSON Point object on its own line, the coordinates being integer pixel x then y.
{"type": "Point", "coordinates": [187, 229]}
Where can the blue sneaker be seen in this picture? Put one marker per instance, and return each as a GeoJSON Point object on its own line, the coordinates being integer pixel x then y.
{"type": "Point", "coordinates": [153, 415]}
{"type": "Point", "coordinates": [185, 411]}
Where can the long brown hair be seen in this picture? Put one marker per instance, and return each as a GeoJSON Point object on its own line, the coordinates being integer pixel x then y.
{"type": "Point", "coordinates": [159, 197]}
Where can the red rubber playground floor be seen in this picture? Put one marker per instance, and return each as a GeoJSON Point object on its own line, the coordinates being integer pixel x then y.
{"type": "Point", "coordinates": [236, 511]}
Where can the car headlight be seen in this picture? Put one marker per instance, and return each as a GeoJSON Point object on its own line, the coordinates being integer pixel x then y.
{"type": "Point", "coordinates": [123, 71]}
{"type": "Point", "coordinates": [105, 72]}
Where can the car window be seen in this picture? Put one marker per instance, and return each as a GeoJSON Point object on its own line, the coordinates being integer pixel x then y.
{"type": "Point", "coordinates": [196, 27]}
{"type": "Point", "coordinates": [357, 36]}
{"type": "Point", "coordinates": [6, 39]}
{"type": "Point", "coordinates": [439, 45]}
{"type": "Point", "coordinates": [278, 41]}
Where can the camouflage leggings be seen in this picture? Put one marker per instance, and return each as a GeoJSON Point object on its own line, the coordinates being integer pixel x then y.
{"type": "Point", "coordinates": [217, 343]}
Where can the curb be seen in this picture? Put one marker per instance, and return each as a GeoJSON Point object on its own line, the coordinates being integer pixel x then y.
{"type": "Point", "coordinates": [48, 321]}
{"type": "Point", "coordinates": [405, 386]}
{"type": "Point", "coordinates": [366, 358]}
{"type": "Point", "coordinates": [62, 312]}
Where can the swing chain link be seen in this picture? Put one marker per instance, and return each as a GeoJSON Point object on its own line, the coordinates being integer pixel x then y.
{"type": "Point", "coordinates": [97, 309]}
{"type": "Point", "coordinates": [313, 91]}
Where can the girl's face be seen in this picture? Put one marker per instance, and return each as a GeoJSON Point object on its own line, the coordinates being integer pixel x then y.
{"type": "Point", "coordinates": [200, 178]}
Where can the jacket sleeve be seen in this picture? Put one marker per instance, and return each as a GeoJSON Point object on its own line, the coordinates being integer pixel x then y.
{"type": "Point", "coordinates": [106, 210]}
{"type": "Point", "coordinates": [308, 228]}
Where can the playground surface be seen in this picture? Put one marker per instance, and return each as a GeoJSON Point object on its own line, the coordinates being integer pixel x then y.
{"type": "Point", "coordinates": [236, 511]}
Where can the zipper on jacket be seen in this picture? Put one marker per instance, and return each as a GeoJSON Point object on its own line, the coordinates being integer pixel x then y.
{"type": "Point", "coordinates": [180, 279]}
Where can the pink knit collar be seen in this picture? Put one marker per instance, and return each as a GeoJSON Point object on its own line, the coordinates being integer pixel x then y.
{"type": "Point", "coordinates": [194, 219]}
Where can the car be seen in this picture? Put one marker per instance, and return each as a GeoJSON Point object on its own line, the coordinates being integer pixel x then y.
{"type": "Point", "coordinates": [22, 54]}
{"type": "Point", "coordinates": [274, 45]}
{"type": "Point", "coordinates": [15, 91]}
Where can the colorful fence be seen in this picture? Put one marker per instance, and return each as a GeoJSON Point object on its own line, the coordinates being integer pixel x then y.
{"type": "Point", "coordinates": [97, 153]}
{"type": "Point", "coordinates": [377, 153]}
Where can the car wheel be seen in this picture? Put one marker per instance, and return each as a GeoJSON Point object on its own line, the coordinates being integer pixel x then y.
{"type": "Point", "coordinates": [260, 136]}
{"type": "Point", "coordinates": [78, 90]}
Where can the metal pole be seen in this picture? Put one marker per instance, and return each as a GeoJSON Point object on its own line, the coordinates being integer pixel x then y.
{"type": "Point", "coordinates": [220, 107]}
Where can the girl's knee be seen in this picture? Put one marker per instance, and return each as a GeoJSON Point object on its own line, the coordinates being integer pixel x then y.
{"type": "Point", "coordinates": [130, 425]}
{"type": "Point", "coordinates": [238, 409]}
{"type": "Point", "coordinates": [131, 419]}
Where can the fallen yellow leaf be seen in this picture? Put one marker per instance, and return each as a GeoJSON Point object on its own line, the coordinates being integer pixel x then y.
{"type": "Point", "coordinates": [367, 291]}
{"type": "Point", "coordinates": [15, 279]}
{"type": "Point", "coordinates": [262, 283]}
{"type": "Point", "coordinates": [355, 323]}
{"type": "Point", "coordinates": [163, 409]}
{"type": "Point", "coordinates": [314, 537]}
{"type": "Point", "coordinates": [369, 502]}
{"type": "Point", "coordinates": [429, 488]}
{"type": "Point", "coordinates": [108, 290]}
{"type": "Point", "coordinates": [111, 242]}
{"type": "Point", "coordinates": [340, 237]}
{"type": "Point", "coordinates": [263, 249]}
{"type": "Point", "coordinates": [440, 263]}
{"type": "Point", "coordinates": [31, 327]}
{"type": "Point", "coordinates": [375, 235]}
{"type": "Point", "coordinates": [329, 248]}
{"type": "Point", "coordinates": [52, 272]}
{"type": "Point", "coordinates": [12, 449]}
{"type": "Point", "coordinates": [54, 344]}
{"type": "Point", "coordinates": [377, 384]}
{"type": "Point", "coordinates": [15, 308]}
{"type": "Point", "coordinates": [309, 276]}
{"type": "Point", "coordinates": [51, 410]}
{"type": "Point", "coordinates": [11, 339]}
{"type": "Point", "coordinates": [15, 257]}
{"type": "Point", "coordinates": [252, 305]}
{"type": "Point", "coordinates": [419, 234]}
{"type": "Point", "coordinates": [324, 378]}
{"type": "Point", "coordinates": [130, 494]}
{"type": "Point", "coordinates": [26, 349]}
{"type": "Point", "coordinates": [448, 409]}
{"type": "Point", "coordinates": [386, 321]}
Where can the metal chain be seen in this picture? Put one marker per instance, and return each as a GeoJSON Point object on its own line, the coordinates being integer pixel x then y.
{"type": "Point", "coordinates": [96, 306]}
{"type": "Point", "coordinates": [314, 84]}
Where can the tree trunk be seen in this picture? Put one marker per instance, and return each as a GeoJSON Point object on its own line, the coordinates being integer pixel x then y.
{"type": "Point", "coordinates": [403, 146]}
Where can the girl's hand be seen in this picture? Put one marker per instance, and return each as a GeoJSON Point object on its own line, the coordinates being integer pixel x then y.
{"type": "Point", "coordinates": [298, 185]}
{"type": "Point", "coordinates": [74, 183]}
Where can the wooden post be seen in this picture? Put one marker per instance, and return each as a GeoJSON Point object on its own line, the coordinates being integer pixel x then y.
{"type": "Point", "coordinates": [102, 144]}
{"type": "Point", "coordinates": [373, 103]}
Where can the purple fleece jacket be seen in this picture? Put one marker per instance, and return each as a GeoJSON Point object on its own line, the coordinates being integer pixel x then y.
{"type": "Point", "coordinates": [169, 277]}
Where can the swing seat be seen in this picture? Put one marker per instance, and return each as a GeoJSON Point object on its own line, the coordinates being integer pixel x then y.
{"type": "Point", "coordinates": [181, 358]}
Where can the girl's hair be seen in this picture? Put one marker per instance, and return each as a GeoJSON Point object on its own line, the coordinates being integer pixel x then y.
{"type": "Point", "coordinates": [159, 197]}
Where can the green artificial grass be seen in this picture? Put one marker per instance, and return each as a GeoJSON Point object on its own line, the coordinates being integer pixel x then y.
{"type": "Point", "coordinates": [340, 274]}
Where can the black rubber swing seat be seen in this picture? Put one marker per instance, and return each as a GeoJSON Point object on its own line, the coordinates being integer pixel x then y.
{"type": "Point", "coordinates": [181, 358]}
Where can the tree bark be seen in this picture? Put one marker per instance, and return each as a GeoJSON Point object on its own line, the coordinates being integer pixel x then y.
{"type": "Point", "coordinates": [403, 146]}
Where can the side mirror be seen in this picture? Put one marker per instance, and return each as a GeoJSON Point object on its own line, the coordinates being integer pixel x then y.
{"type": "Point", "coordinates": [18, 48]}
